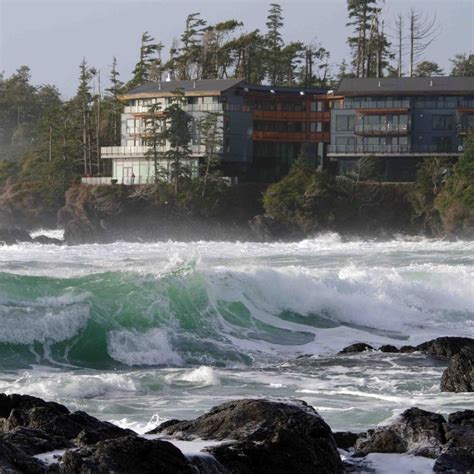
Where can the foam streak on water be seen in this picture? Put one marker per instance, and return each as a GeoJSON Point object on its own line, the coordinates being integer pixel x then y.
{"type": "Point", "coordinates": [137, 333]}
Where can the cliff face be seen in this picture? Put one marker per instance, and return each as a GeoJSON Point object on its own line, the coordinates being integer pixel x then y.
{"type": "Point", "coordinates": [108, 213]}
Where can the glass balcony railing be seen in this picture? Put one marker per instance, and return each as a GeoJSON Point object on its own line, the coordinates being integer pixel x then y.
{"type": "Point", "coordinates": [140, 151]}
{"type": "Point", "coordinates": [392, 149]}
{"type": "Point", "coordinates": [373, 104]}
{"type": "Point", "coordinates": [383, 129]}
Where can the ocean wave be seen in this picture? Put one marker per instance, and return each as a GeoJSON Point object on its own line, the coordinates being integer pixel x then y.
{"type": "Point", "coordinates": [215, 306]}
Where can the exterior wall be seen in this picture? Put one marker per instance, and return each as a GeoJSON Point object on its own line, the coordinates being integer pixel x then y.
{"type": "Point", "coordinates": [432, 125]}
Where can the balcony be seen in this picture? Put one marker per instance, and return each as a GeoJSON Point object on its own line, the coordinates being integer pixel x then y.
{"type": "Point", "coordinates": [373, 104]}
{"type": "Point", "coordinates": [297, 137]}
{"type": "Point", "coordinates": [109, 152]}
{"type": "Point", "coordinates": [145, 109]}
{"type": "Point", "coordinates": [291, 116]}
{"type": "Point", "coordinates": [393, 150]}
{"type": "Point", "coordinates": [382, 129]}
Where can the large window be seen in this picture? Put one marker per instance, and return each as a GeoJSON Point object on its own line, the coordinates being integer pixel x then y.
{"type": "Point", "coordinates": [345, 123]}
{"type": "Point", "coordinates": [443, 122]}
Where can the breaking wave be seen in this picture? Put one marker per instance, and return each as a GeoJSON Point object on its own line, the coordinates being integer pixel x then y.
{"type": "Point", "coordinates": [194, 313]}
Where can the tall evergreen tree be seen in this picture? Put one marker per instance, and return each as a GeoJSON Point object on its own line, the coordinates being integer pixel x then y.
{"type": "Point", "coordinates": [149, 65]}
{"type": "Point", "coordinates": [114, 90]}
{"type": "Point", "coordinates": [274, 42]}
{"type": "Point", "coordinates": [85, 99]}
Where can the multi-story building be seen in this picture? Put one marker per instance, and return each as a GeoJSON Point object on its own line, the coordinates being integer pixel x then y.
{"type": "Point", "coordinates": [262, 129]}
{"type": "Point", "coordinates": [400, 121]}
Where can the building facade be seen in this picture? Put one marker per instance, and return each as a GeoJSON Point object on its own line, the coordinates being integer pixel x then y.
{"type": "Point", "coordinates": [400, 121]}
{"type": "Point", "coordinates": [263, 129]}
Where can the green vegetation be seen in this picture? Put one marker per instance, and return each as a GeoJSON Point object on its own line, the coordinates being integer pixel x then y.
{"type": "Point", "coordinates": [455, 202]}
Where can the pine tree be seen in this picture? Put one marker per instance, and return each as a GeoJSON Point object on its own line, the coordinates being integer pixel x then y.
{"type": "Point", "coordinates": [212, 136]}
{"type": "Point", "coordinates": [361, 15]}
{"type": "Point", "coordinates": [274, 42]}
{"type": "Point", "coordinates": [114, 90]}
{"type": "Point", "coordinates": [85, 98]}
{"type": "Point", "coordinates": [148, 67]}
{"type": "Point", "coordinates": [178, 135]}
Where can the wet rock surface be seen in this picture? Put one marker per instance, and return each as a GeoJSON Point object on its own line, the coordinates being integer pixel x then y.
{"type": "Point", "coordinates": [127, 454]}
{"type": "Point", "coordinates": [263, 436]}
{"type": "Point", "coordinates": [416, 431]}
{"type": "Point", "coordinates": [459, 375]}
{"type": "Point", "coordinates": [446, 346]}
{"type": "Point", "coordinates": [357, 347]}
{"type": "Point", "coordinates": [12, 235]}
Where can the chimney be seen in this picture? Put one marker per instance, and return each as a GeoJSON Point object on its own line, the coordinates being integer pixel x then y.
{"type": "Point", "coordinates": [431, 82]}
{"type": "Point", "coordinates": [380, 84]}
{"type": "Point", "coordinates": [159, 86]}
{"type": "Point", "coordinates": [194, 84]}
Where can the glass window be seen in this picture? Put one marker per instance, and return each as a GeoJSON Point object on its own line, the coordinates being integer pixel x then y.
{"type": "Point", "coordinates": [344, 123]}
{"type": "Point", "coordinates": [443, 122]}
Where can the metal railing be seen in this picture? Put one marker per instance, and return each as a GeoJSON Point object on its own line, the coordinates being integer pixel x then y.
{"type": "Point", "coordinates": [385, 128]}
{"type": "Point", "coordinates": [372, 104]}
{"type": "Point", "coordinates": [144, 109]}
{"type": "Point", "coordinates": [140, 151]}
{"type": "Point", "coordinates": [393, 149]}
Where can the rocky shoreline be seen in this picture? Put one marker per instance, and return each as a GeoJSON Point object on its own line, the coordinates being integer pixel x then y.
{"type": "Point", "coordinates": [241, 436]}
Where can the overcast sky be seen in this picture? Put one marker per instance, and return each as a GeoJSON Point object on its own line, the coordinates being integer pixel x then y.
{"type": "Point", "coordinates": [52, 36]}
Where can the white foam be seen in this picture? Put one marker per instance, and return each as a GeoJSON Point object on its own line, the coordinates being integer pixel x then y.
{"type": "Point", "coordinates": [399, 463]}
{"type": "Point", "coordinates": [141, 348]}
{"type": "Point", "coordinates": [203, 376]}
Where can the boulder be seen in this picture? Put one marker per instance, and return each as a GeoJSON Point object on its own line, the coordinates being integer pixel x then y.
{"type": "Point", "coordinates": [407, 349]}
{"type": "Point", "coordinates": [455, 461]}
{"type": "Point", "coordinates": [388, 348]}
{"type": "Point", "coordinates": [459, 375]}
{"type": "Point", "coordinates": [130, 454]}
{"type": "Point", "coordinates": [45, 240]}
{"type": "Point", "coordinates": [446, 346]}
{"type": "Point", "coordinates": [13, 460]}
{"type": "Point", "coordinates": [347, 439]}
{"type": "Point", "coordinates": [415, 432]}
{"type": "Point", "coordinates": [32, 441]}
{"type": "Point", "coordinates": [357, 347]}
{"type": "Point", "coordinates": [263, 436]}
{"type": "Point", "coordinates": [265, 228]}
{"type": "Point", "coordinates": [54, 419]}
{"type": "Point", "coordinates": [463, 418]}
{"type": "Point", "coordinates": [12, 235]}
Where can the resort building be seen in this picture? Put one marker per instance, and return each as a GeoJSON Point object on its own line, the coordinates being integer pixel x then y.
{"type": "Point", "coordinates": [400, 121]}
{"type": "Point", "coordinates": [263, 129]}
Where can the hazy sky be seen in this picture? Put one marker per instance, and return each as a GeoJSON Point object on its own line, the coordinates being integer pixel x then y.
{"type": "Point", "coordinates": [52, 36]}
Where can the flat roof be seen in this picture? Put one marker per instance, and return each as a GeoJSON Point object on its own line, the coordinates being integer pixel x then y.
{"type": "Point", "coordinates": [282, 89]}
{"type": "Point", "coordinates": [406, 85]}
{"type": "Point", "coordinates": [197, 87]}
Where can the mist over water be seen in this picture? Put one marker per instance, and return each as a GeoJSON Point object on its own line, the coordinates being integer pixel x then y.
{"type": "Point", "coordinates": [132, 331]}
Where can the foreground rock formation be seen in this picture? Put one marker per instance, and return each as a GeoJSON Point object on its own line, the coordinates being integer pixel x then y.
{"type": "Point", "coordinates": [257, 436]}
{"type": "Point", "coordinates": [267, 437]}
{"type": "Point", "coordinates": [459, 375]}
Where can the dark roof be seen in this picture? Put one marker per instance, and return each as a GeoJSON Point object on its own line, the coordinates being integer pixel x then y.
{"type": "Point", "coordinates": [282, 90]}
{"type": "Point", "coordinates": [206, 85]}
{"type": "Point", "coordinates": [406, 85]}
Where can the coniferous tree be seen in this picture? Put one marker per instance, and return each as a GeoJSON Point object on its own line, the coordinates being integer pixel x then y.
{"type": "Point", "coordinates": [149, 65]}
{"type": "Point", "coordinates": [114, 90]}
{"type": "Point", "coordinates": [274, 42]}
{"type": "Point", "coordinates": [177, 134]}
{"type": "Point", "coordinates": [463, 65]}
{"type": "Point", "coordinates": [427, 69]}
{"type": "Point", "coordinates": [85, 98]}
{"type": "Point", "coordinates": [212, 136]}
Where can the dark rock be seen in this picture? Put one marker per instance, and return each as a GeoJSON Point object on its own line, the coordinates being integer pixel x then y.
{"type": "Point", "coordinates": [388, 348]}
{"type": "Point", "coordinates": [459, 375]}
{"type": "Point", "coordinates": [53, 419]}
{"type": "Point", "coordinates": [267, 437]}
{"type": "Point", "coordinates": [347, 439]}
{"type": "Point", "coordinates": [45, 240]}
{"type": "Point", "coordinates": [12, 235]}
{"type": "Point", "coordinates": [455, 461]}
{"type": "Point", "coordinates": [415, 432]}
{"type": "Point", "coordinates": [130, 454]}
{"type": "Point", "coordinates": [33, 442]}
{"type": "Point", "coordinates": [357, 347]}
{"type": "Point", "coordinates": [77, 232]}
{"type": "Point", "coordinates": [14, 460]}
{"type": "Point", "coordinates": [265, 228]}
{"type": "Point", "coordinates": [407, 349]}
{"type": "Point", "coordinates": [445, 346]}
{"type": "Point", "coordinates": [464, 418]}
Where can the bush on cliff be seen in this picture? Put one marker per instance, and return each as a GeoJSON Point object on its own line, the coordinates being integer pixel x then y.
{"type": "Point", "coordinates": [455, 202]}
